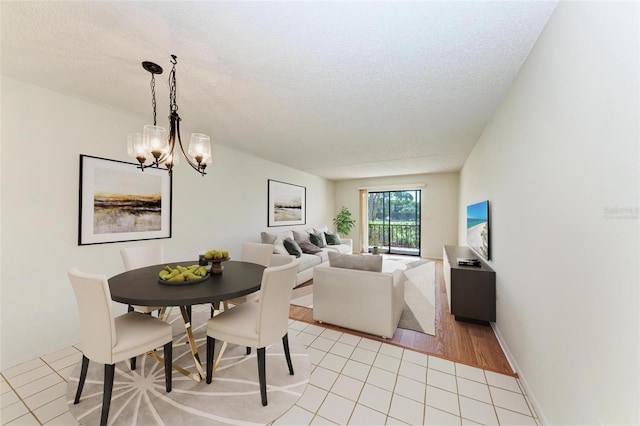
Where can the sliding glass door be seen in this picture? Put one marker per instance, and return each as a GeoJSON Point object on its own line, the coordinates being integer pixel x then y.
{"type": "Point", "coordinates": [394, 222]}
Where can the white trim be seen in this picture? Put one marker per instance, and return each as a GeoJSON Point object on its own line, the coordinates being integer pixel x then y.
{"type": "Point", "coordinates": [535, 406]}
{"type": "Point", "coordinates": [400, 186]}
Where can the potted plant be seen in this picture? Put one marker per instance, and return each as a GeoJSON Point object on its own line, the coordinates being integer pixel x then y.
{"type": "Point", "coordinates": [344, 222]}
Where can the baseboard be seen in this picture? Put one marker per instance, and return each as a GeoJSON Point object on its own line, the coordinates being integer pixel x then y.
{"type": "Point", "coordinates": [531, 399]}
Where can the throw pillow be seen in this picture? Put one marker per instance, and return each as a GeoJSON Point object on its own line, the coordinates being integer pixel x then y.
{"type": "Point", "coordinates": [292, 247]}
{"type": "Point", "coordinates": [321, 230]}
{"type": "Point", "coordinates": [276, 240]}
{"type": "Point", "coordinates": [301, 236]}
{"type": "Point", "coordinates": [332, 239]}
{"type": "Point", "coordinates": [309, 248]}
{"type": "Point", "coordinates": [318, 239]}
{"type": "Point", "coordinates": [354, 261]}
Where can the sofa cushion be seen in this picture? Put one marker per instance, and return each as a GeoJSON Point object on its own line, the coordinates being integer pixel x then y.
{"type": "Point", "coordinates": [277, 240]}
{"type": "Point", "coordinates": [332, 239]}
{"type": "Point", "coordinates": [323, 254]}
{"type": "Point", "coordinates": [309, 248]}
{"type": "Point", "coordinates": [318, 239]}
{"type": "Point", "coordinates": [355, 261]}
{"type": "Point", "coordinates": [308, 261]}
{"type": "Point", "coordinates": [292, 247]}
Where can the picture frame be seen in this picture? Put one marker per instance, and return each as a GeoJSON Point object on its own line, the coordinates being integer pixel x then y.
{"type": "Point", "coordinates": [118, 202]}
{"type": "Point", "coordinates": [287, 204]}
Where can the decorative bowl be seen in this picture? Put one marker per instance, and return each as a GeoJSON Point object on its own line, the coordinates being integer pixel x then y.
{"type": "Point", "coordinates": [216, 265]}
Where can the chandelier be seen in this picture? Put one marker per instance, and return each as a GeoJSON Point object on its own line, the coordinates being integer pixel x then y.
{"type": "Point", "coordinates": [153, 144]}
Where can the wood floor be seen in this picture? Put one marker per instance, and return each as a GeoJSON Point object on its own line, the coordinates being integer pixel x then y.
{"type": "Point", "coordinates": [467, 343]}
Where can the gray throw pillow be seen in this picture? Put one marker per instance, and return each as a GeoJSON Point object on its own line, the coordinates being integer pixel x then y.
{"type": "Point", "coordinates": [355, 261]}
{"type": "Point", "coordinates": [301, 236]}
{"type": "Point", "coordinates": [318, 239]}
{"type": "Point", "coordinates": [292, 247]}
{"type": "Point", "coordinates": [276, 240]}
{"type": "Point", "coordinates": [332, 239]}
{"type": "Point", "coordinates": [309, 248]}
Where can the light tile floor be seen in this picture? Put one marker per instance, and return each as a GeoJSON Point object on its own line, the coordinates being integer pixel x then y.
{"type": "Point", "coordinates": [354, 381]}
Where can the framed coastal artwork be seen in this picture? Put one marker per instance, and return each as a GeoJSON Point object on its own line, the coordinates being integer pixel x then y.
{"type": "Point", "coordinates": [479, 228]}
{"type": "Point", "coordinates": [287, 204]}
{"type": "Point", "coordinates": [118, 202]}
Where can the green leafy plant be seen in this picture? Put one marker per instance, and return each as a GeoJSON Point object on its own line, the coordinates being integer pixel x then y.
{"type": "Point", "coordinates": [344, 222]}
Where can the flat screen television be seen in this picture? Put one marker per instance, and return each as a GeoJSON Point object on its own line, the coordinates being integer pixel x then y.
{"type": "Point", "coordinates": [479, 229]}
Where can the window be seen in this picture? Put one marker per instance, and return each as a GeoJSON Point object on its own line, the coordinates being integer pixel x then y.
{"type": "Point", "coordinates": [394, 221]}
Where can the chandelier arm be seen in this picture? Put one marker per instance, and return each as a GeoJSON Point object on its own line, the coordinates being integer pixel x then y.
{"type": "Point", "coordinates": [195, 166]}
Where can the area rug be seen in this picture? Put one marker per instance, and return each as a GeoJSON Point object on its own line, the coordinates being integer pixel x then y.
{"type": "Point", "coordinates": [233, 397]}
{"type": "Point", "coordinates": [303, 296]}
{"type": "Point", "coordinates": [419, 312]}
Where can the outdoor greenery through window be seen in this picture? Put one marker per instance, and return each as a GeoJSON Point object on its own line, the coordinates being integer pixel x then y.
{"type": "Point", "coordinates": [394, 221]}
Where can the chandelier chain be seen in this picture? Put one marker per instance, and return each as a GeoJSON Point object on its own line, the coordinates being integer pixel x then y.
{"type": "Point", "coordinates": [172, 86]}
{"type": "Point", "coordinates": [153, 96]}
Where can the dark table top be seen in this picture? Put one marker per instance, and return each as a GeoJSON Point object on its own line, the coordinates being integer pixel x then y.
{"type": "Point", "coordinates": [141, 286]}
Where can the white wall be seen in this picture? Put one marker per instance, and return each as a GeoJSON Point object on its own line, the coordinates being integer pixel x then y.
{"type": "Point", "coordinates": [43, 133]}
{"type": "Point", "coordinates": [558, 159]}
{"type": "Point", "coordinates": [439, 206]}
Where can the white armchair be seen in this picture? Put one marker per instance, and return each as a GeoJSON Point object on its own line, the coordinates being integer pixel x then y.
{"type": "Point", "coordinates": [370, 302]}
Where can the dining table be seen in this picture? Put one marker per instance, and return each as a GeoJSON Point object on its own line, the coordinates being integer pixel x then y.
{"type": "Point", "coordinates": [143, 286]}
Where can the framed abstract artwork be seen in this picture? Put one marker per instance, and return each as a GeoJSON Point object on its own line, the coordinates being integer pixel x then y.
{"type": "Point", "coordinates": [287, 204]}
{"type": "Point", "coordinates": [118, 202]}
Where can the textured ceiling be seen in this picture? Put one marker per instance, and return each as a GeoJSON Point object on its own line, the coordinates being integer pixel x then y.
{"type": "Point", "coordinates": [338, 89]}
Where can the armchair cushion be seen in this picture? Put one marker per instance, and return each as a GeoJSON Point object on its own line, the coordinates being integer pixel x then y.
{"type": "Point", "coordinates": [353, 261]}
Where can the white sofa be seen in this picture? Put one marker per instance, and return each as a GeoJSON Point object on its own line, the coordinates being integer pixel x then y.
{"type": "Point", "coordinates": [361, 300]}
{"type": "Point", "coordinates": [307, 261]}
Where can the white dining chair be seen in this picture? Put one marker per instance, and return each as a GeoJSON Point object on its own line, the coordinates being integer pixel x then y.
{"type": "Point", "coordinates": [254, 253]}
{"type": "Point", "coordinates": [108, 340]}
{"type": "Point", "coordinates": [257, 325]}
{"type": "Point", "coordinates": [139, 257]}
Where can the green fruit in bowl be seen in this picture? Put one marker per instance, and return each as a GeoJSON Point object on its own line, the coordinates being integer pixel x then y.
{"type": "Point", "coordinates": [177, 278]}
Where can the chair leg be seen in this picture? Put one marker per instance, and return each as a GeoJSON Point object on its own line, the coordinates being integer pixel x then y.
{"type": "Point", "coordinates": [133, 363]}
{"type": "Point", "coordinates": [83, 376]}
{"type": "Point", "coordinates": [262, 376]}
{"type": "Point", "coordinates": [211, 343]}
{"type": "Point", "coordinates": [168, 361]}
{"type": "Point", "coordinates": [109, 370]}
{"type": "Point", "coordinates": [287, 354]}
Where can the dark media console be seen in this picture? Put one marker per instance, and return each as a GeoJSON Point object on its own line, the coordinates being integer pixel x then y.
{"type": "Point", "coordinates": [471, 290]}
